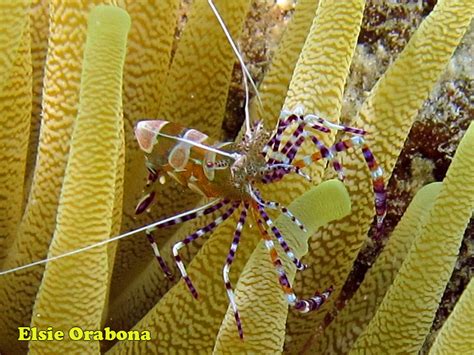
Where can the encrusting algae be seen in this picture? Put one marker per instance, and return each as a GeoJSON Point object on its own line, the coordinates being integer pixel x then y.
{"type": "Point", "coordinates": [88, 93]}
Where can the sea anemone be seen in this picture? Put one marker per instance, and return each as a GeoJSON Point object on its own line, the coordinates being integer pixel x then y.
{"type": "Point", "coordinates": [70, 96]}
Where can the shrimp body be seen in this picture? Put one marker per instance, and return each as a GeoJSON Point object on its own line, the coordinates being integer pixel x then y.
{"type": "Point", "coordinates": [231, 173]}
{"type": "Point", "coordinates": [206, 172]}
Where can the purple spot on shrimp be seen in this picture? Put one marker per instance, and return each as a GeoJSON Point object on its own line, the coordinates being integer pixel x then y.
{"type": "Point", "coordinates": [145, 203]}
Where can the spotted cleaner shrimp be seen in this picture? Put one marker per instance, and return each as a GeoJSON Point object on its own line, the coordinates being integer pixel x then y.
{"type": "Point", "coordinates": [229, 173]}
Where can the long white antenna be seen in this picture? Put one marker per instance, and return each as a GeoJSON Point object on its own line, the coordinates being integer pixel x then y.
{"type": "Point", "coordinates": [203, 146]}
{"type": "Point", "coordinates": [110, 240]}
{"type": "Point", "coordinates": [247, 113]}
{"type": "Point", "coordinates": [236, 51]}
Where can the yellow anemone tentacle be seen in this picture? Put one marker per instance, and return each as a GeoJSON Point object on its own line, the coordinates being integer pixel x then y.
{"type": "Point", "coordinates": [15, 109]}
{"type": "Point", "coordinates": [407, 311]}
{"type": "Point", "coordinates": [343, 331]}
{"type": "Point", "coordinates": [88, 195]}
{"type": "Point", "coordinates": [455, 336]}
{"type": "Point", "coordinates": [387, 115]}
{"type": "Point", "coordinates": [39, 32]}
{"type": "Point", "coordinates": [319, 78]}
{"type": "Point", "coordinates": [67, 34]}
{"type": "Point", "coordinates": [195, 94]}
{"type": "Point", "coordinates": [274, 86]}
{"type": "Point", "coordinates": [146, 66]}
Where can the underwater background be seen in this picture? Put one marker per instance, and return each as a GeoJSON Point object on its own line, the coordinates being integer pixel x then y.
{"type": "Point", "coordinates": [72, 173]}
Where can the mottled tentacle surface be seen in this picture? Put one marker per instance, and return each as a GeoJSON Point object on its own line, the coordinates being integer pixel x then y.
{"type": "Point", "coordinates": [455, 336]}
{"type": "Point", "coordinates": [87, 201]}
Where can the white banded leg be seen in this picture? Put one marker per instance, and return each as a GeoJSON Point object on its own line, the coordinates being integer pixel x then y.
{"type": "Point", "coordinates": [301, 305]}
{"type": "Point", "coordinates": [255, 193]}
{"type": "Point", "coordinates": [281, 240]}
{"type": "Point", "coordinates": [200, 232]}
{"type": "Point", "coordinates": [176, 220]}
{"type": "Point", "coordinates": [228, 263]}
